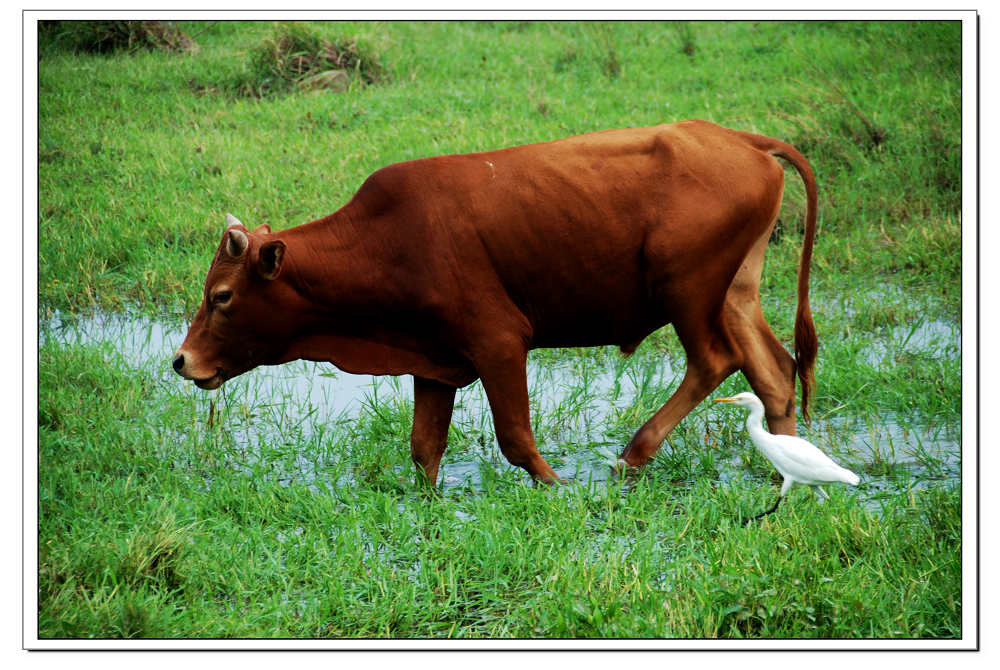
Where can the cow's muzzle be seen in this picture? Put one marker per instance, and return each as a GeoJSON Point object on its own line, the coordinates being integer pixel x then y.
{"type": "Point", "coordinates": [180, 365]}
{"type": "Point", "coordinates": [210, 383]}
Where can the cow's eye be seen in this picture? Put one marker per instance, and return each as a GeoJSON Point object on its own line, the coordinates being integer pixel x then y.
{"type": "Point", "coordinates": [222, 297]}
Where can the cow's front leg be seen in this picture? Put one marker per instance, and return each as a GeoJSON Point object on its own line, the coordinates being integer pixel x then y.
{"type": "Point", "coordinates": [505, 381]}
{"type": "Point", "coordinates": [432, 408]}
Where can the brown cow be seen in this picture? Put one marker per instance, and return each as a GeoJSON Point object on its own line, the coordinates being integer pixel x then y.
{"type": "Point", "coordinates": [451, 268]}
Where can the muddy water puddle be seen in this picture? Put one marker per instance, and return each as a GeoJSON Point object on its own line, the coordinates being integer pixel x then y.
{"type": "Point", "coordinates": [572, 400]}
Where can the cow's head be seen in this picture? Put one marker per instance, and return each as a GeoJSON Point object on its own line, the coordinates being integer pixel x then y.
{"type": "Point", "coordinates": [243, 321]}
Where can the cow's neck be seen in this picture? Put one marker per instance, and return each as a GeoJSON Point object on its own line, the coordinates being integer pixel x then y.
{"type": "Point", "coordinates": [351, 295]}
{"type": "Point", "coordinates": [330, 264]}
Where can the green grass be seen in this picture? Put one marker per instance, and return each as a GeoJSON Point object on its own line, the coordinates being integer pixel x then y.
{"type": "Point", "coordinates": [133, 192]}
{"type": "Point", "coordinates": [161, 526]}
{"type": "Point", "coordinates": [168, 512]}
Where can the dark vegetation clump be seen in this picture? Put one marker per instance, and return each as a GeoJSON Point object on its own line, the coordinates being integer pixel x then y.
{"type": "Point", "coordinates": [685, 34]}
{"type": "Point", "coordinates": [567, 58]}
{"type": "Point", "coordinates": [596, 45]}
{"type": "Point", "coordinates": [294, 56]}
{"type": "Point", "coordinates": [111, 36]}
{"type": "Point", "coordinates": [611, 66]}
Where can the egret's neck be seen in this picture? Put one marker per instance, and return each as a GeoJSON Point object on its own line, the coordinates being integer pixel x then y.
{"type": "Point", "coordinates": [754, 421]}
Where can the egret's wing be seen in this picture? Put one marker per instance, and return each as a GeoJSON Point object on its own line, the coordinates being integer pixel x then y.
{"type": "Point", "coordinates": [805, 462]}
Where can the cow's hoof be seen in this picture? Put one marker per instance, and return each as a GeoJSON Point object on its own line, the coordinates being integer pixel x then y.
{"type": "Point", "coordinates": [552, 480]}
{"type": "Point", "coordinates": [624, 471]}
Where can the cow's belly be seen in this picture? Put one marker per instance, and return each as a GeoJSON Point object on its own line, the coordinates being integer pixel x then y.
{"type": "Point", "coordinates": [593, 318]}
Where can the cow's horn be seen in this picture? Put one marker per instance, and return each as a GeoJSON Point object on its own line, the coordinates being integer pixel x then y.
{"type": "Point", "coordinates": [236, 243]}
{"type": "Point", "coordinates": [232, 221]}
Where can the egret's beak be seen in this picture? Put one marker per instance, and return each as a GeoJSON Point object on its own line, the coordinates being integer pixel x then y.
{"type": "Point", "coordinates": [724, 400]}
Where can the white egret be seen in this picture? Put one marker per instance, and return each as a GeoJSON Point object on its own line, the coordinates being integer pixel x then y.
{"type": "Point", "coordinates": [798, 461]}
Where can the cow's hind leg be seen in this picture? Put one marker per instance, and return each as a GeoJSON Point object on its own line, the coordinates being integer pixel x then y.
{"type": "Point", "coordinates": [711, 357]}
{"type": "Point", "coordinates": [767, 366]}
{"type": "Point", "coordinates": [432, 407]}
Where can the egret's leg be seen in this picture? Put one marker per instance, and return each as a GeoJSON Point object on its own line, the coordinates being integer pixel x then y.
{"type": "Point", "coordinates": [765, 513]}
{"type": "Point", "coordinates": [821, 494]}
{"type": "Point", "coordinates": [785, 485]}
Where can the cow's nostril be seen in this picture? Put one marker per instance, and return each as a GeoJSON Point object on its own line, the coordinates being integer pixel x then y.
{"type": "Point", "coordinates": [179, 363]}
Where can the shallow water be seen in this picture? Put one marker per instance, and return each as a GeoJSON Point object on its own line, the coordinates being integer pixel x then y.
{"type": "Point", "coordinates": [933, 337]}
{"type": "Point", "coordinates": [936, 338]}
{"type": "Point", "coordinates": [574, 396]}
{"type": "Point", "coordinates": [150, 344]}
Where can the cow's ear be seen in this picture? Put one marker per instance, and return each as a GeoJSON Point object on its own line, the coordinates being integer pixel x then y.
{"type": "Point", "coordinates": [269, 259]}
{"type": "Point", "coordinates": [262, 229]}
{"type": "Point", "coordinates": [236, 242]}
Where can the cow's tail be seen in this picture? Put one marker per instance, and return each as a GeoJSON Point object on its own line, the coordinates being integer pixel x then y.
{"type": "Point", "coordinates": [806, 342]}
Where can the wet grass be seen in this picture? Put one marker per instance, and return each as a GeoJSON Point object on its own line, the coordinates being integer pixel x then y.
{"type": "Point", "coordinates": [272, 509]}
{"type": "Point", "coordinates": [162, 526]}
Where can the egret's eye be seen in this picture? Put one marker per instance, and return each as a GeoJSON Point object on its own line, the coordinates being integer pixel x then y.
{"type": "Point", "coordinates": [222, 297]}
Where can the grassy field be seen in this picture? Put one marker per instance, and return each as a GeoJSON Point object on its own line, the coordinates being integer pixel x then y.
{"type": "Point", "coordinates": [263, 510]}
